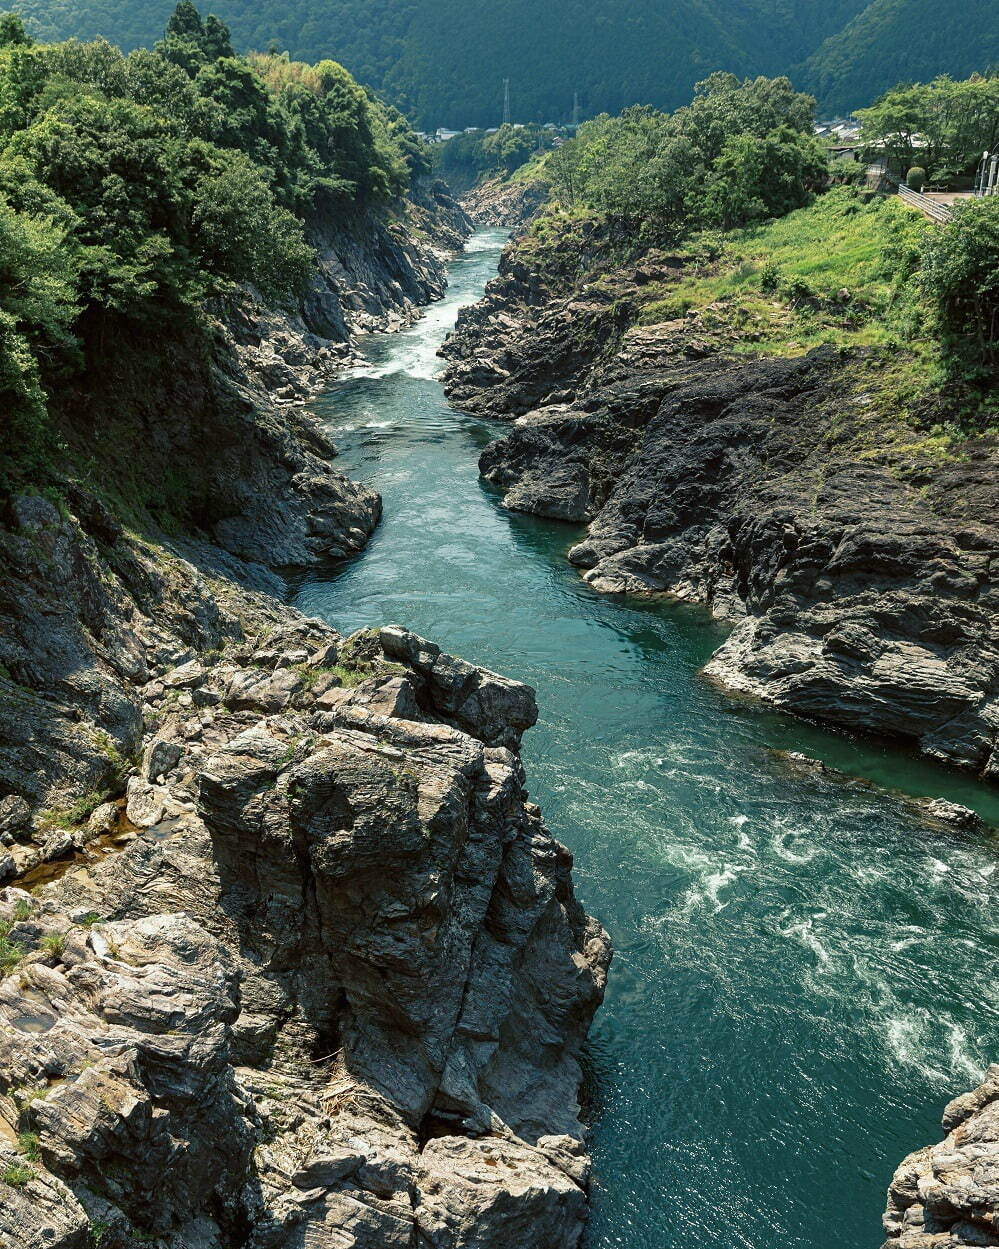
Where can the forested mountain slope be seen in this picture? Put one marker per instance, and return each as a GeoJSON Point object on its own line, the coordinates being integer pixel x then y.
{"type": "Point", "coordinates": [907, 40]}
{"type": "Point", "coordinates": [444, 61]}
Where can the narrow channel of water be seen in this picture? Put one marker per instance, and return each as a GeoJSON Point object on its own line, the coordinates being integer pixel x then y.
{"type": "Point", "coordinates": [804, 972]}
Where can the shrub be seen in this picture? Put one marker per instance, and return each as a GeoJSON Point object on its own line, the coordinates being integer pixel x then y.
{"type": "Point", "coordinates": [16, 1175]}
{"type": "Point", "coordinates": [915, 179]}
{"type": "Point", "coordinates": [10, 955]}
{"type": "Point", "coordinates": [53, 944]}
{"type": "Point", "coordinates": [961, 277]}
{"type": "Point", "coordinates": [770, 277]}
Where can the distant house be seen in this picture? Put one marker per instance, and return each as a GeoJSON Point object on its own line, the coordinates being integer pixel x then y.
{"type": "Point", "coordinates": [839, 132]}
{"type": "Point", "coordinates": [442, 135]}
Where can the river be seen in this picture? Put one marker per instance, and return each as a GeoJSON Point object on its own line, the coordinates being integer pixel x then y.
{"type": "Point", "coordinates": [804, 973]}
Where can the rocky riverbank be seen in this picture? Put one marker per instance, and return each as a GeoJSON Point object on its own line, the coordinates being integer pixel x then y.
{"type": "Point", "coordinates": [287, 954]}
{"type": "Point", "coordinates": [946, 1196]}
{"type": "Point", "coordinates": [859, 573]}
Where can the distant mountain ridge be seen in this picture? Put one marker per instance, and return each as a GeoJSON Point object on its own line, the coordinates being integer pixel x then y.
{"type": "Point", "coordinates": [913, 39]}
{"type": "Point", "coordinates": [444, 61]}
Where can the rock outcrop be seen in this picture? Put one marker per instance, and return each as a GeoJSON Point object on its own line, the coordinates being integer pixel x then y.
{"type": "Point", "coordinates": [860, 579]}
{"type": "Point", "coordinates": [332, 984]}
{"type": "Point", "coordinates": [499, 202]}
{"type": "Point", "coordinates": [946, 1196]}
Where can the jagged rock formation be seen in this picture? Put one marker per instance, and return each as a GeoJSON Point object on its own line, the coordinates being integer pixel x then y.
{"type": "Point", "coordinates": [862, 588]}
{"type": "Point", "coordinates": [333, 988]}
{"type": "Point", "coordinates": [302, 965]}
{"type": "Point", "coordinates": [498, 202]}
{"type": "Point", "coordinates": [946, 1196]}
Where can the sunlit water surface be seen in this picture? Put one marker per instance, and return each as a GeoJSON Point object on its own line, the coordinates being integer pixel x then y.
{"type": "Point", "coordinates": [804, 973]}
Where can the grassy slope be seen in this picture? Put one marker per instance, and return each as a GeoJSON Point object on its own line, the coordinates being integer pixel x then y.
{"type": "Point", "coordinates": [896, 407]}
{"type": "Point", "coordinates": [819, 275]}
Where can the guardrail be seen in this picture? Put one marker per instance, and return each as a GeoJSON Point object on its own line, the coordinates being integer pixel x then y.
{"type": "Point", "coordinates": [936, 211]}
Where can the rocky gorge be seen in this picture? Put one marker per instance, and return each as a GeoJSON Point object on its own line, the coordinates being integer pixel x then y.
{"type": "Point", "coordinates": [285, 945]}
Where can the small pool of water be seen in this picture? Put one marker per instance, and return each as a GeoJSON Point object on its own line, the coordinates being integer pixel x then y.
{"type": "Point", "coordinates": [805, 972]}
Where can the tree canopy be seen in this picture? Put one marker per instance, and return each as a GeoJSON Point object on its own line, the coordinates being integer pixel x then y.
{"type": "Point", "coordinates": [134, 186]}
{"type": "Point", "coordinates": [740, 151]}
{"type": "Point", "coordinates": [943, 126]}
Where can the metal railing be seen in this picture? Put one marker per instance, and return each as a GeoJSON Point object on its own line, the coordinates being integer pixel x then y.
{"type": "Point", "coordinates": [938, 212]}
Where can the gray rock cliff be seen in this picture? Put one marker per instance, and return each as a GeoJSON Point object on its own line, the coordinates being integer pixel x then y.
{"type": "Point", "coordinates": [861, 583]}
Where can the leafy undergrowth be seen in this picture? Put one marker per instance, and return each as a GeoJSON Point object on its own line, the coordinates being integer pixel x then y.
{"type": "Point", "coordinates": [842, 271]}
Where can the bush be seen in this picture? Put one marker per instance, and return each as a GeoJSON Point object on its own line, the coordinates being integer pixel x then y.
{"type": "Point", "coordinates": [960, 275]}
{"type": "Point", "coordinates": [915, 179]}
{"type": "Point", "coordinates": [770, 277]}
{"type": "Point", "coordinates": [53, 944]}
{"type": "Point", "coordinates": [16, 1176]}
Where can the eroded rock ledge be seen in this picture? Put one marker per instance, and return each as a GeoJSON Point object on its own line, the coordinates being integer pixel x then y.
{"type": "Point", "coordinates": [498, 202]}
{"type": "Point", "coordinates": [862, 581]}
{"type": "Point", "coordinates": [946, 1196]}
{"type": "Point", "coordinates": [331, 991]}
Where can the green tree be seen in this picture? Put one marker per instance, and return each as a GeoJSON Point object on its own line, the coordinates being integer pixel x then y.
{"type": "Point", "coordinates": [38, 304]}
{"type": "Point", "coordinates": [960, 275]}
{"type": "Point", "coordinates": [756, 178]}
{"type": "Point", "coordinates": [740, 151]}
{"type": "Point", "coordinates": [239, 231]}
{"type": "Point", "coordinates": [12, 32]}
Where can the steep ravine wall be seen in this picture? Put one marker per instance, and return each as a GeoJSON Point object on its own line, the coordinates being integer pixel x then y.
{"type": "Point", "coordinates": [863, 587]}
{"type": "Point", "coordinates": [300, 964]}
{"type": "Point", "coordinates": [209, 454]}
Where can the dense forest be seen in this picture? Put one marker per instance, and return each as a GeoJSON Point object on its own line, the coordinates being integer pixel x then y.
{"type": "Point", "coordinates": [903, 41]}
{"type": "Point", "coordinates": [134, 186]}
{"type": "Point", "coordinates": [443, 61]}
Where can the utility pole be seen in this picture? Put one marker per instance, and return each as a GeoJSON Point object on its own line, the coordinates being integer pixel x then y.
{"type": "Point", "coordinates": [575, 108]}
{"type": "Point", "coordinates": [506, 101]}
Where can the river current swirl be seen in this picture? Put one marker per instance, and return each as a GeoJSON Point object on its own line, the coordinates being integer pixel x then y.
{"type": "Point", "coordinates": [804, 973]}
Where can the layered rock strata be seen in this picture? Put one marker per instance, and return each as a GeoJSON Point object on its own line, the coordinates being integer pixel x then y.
{"type": "Point", "coordinates": [500, 202]}
{"type": "Point", "coordinates": [330, 986]}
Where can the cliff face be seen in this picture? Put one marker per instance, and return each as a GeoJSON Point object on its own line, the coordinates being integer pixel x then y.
{"type": "Point", "coordinates": [214, 438]}
{"type": "Point", "coordinates": [330, 985]}
{"type": "Point", "coordinates": [860, 579]}
{"type": "Point", "coordinates": [300, 964]}
{"type": "Point", "coordinates": [498, 202]}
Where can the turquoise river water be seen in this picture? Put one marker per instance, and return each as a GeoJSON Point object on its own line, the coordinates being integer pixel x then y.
{"type": "Point", "coordinates": [804, 973]}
